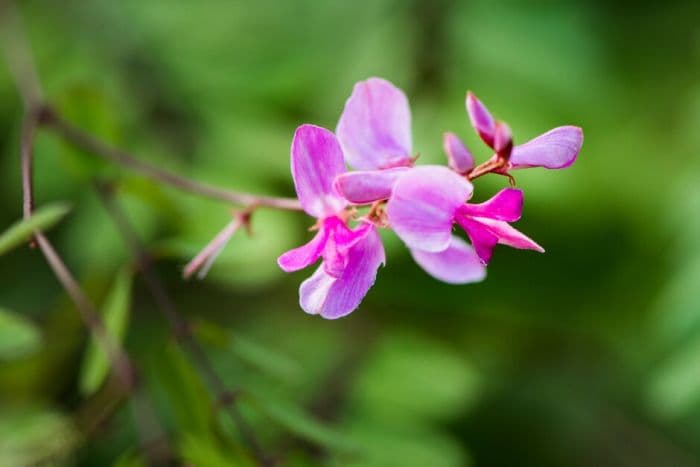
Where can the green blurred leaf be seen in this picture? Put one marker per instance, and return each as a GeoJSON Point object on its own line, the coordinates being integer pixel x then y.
{"type": "Point", "coordinates": [95, 365]}
{"type": "Point", "coordinates": [43, 218]}
{"type": "Point", "coordinates": [204, 452]}
{"type": "Point", "coordinates": [306, 427]}
{"type": "Point", "coordinates": [411, 446]}
{"type": "Point", "coordinates": [34, 436]}
{"type": "Point", "coordinates": [255, 354]}
{"type": "Point", "coordinates": [178, 383]}
{"type": "Point", "coordinates": [130, 459]}
{"type": "Point", "coordinates": [18, 336]}
{"type": "Point", "coordinates": [409, 377]}
{"type": "Point", "coordinates": [674, 387]}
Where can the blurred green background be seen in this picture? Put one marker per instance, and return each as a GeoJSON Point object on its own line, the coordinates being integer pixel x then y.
{"type": "Point", "coordinates": [588, 355]}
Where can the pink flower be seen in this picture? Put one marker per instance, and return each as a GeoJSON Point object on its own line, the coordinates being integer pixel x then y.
{"type": "Point", "coordinates": [428, 200]}
{"type": "Point", "coordinates": [374, 131]}
{"type": "Point", "coordinates": [555, 149]}
{"type": "Point", "coordinates": [375, 134]}
{"type": "Point", "coordinates": [351, 257]}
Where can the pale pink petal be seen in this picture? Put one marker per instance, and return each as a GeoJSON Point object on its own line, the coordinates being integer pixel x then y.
{"type": "Point", "coordinates": [482, 238]}
{"type": "Point", "coordinates": [458, 156]}
{"type": "Point", "coordinates": [481, 119]}
{"type": "Point", "coordinates": [375, 127]}
{"type": "Point", "coordinates": [367, 186]}
{"type": "Point", "coordinates": [458, 264]}
{"type": "Point", "coordinates": [336, 297]}
{"type": "Point", "coordinates": [314, 291]}
{"type": "Point", "coordinates": [506, 205]}
{"type": "Point", "coordinates": [556, 149]}
{"type": "Point", "coordinates": [303, 256]}
{"type": "Point", "coordinates": [316, 160]}
{"type": "Point", "coordinates": [423, 205]}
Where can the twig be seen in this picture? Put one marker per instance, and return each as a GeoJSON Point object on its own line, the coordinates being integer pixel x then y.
{"type": "Point", "coordinates": [206, 257]}
{"type": "Point", "coordinates": [89, 143]}
{"type": "Point", "coordinates": [181, 328]}
{"type": "Point", "coordinates": [21, 64]}
{"type": "Point", "coordinates": [88, 313]}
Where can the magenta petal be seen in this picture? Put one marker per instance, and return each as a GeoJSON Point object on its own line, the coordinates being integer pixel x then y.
{"type": "Point", "coordinates": [336, 297]}
{"type": "Point", "coordinates": [458, 156]}
{"type": "Point", "coordinates": [482, 238]}
{"type": "Point", "coordinates": [486, 233]}
{"type": "Point", "coordinates": [422, 207]}
{"type": "Point", "coordinates": [307, 254]}
{"type": "Point", "coordinates": [503, 140]}
{"type": "Point", "coordinates": [509, 235]}
{"type": "Point", "coordinates": [481, 119]}
{"type": "Point", "coordinates": [375, 127]}
{"type": "Point", "coordinates": [367, 186]}
{"type": "Point", "coordinates": [316, 160]}
{"type": "Point", "coordinates": [458, 264]}
{"type": "Point", "coordinates": [506, 205]}
{"type": "Point", "coordinates": [556, 149]}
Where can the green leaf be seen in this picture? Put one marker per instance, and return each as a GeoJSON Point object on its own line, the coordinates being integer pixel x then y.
{"type": "Point", "coordinates": [95, 365]}
{"type": "Point", "coordinates": [178, 384]}
{"type": "Point", "coordinates": [34, 436]}
{"type": "Point", "coordinates": [203, 451]}
{"type": "Point", "coordinates": [130, 459]}
{"type": "Point", "coordinates": [398, 385]}
{"type": "Point", "coordinates": [253, 353]}
{"type": "Point", "coordinates": [42, 219]}
{"type": "Point", "coordinates": [18, 336]}
{"type": "Point", "coordinates": [306, 427]}
{"type": "Point", "coordinates": [674, 386]}
{"type": "Point", "coordinates": [410, 446]}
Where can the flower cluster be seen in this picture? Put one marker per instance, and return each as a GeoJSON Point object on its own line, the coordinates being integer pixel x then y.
{"type": "Point", "coordinates": [420, 203]}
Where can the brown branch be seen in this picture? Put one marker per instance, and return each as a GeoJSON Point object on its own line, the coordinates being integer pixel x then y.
{"type": "Point", "coordinates": [226, 399]}
{"type": "Point", "coordinates": [89, 143]}
{"type": "Point", "coordinates": [20, 61]}
{"type": "Point", "coordinates": [120, 362]}
{"type": "Point", "coordinates": [206, 257]}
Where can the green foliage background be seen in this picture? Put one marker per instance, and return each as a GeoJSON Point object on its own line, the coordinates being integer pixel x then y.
{"type": "Point", "coordinates": [586, 355]}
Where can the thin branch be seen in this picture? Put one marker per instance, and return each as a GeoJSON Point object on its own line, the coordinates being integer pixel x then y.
{"type": "Point", "coordinates": [20, 61]}
{"type": "Point", "coordinates": [30, 123]}
{"type": "Point", "coordinates": [226, 398]}
{"type": "Point", "coordinates": [19, 56]}
{"type": "Point", "coordinates": [205, 258]}
{"type": "Point", "coordinates": [88, 313]}
{"type": "Point", "coordinates": [123, 370]}
{"type": "Point", "coordinates": [89, 143]}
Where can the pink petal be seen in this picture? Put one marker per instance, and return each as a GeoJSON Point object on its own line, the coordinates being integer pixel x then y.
{"type": "Point", "coordinates": [336, 297]}
{"type": "Point", "coordinates": [503, 140]}
{"type": "Point", "coordinates": [556, 149]}
{"type": "Point", "coordinates": [486, 233]}
{"type": "Point", "coordinates": [481, 119]}
{"type": "Point", "coordinates": [458, 264]}
{"type": "Point", "coordinates": [422, 207]}
{"type": "Point", "coordinates": [316, 160]}
{"type": "Point", "coordinates": [458, 156]}
{"type": "Point", "coordinates": [375, 127]}
{"type": "Point", "coordinates": [509, 235]}
{"type": "Point", "coordinates": [367, 186]}
{"type": "Point", "coordinates": [506, 205]}
{"type": "Point", "coordinates": [340, 239]}
{"type": "Point", "coordinates": [482, 238]}
{"type": "Point", "coordinates": [303, 256]}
